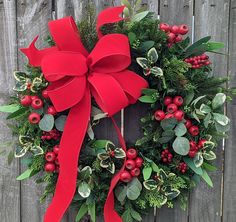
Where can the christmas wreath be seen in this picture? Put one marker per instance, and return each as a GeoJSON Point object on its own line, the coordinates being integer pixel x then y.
{"type": "Point", "coordinates": [95, 72]}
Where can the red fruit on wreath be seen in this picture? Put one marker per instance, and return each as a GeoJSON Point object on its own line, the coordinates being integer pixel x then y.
{"type": "Point", "coordinates": [125, 176]}
{"type": "Point", "coordinates": [164, 27]}
{"type": "Point", "coordinates": [201, 143]}
{"type": "Point", "coordinates": [159, 115]}
{"type": "Point", "coordinates": [178, 100]}
{"type": "Point", "coordinates": [183, 29]}
{"type": "Point", "coordinates": [51, 110]}
{"type": "Point", "coordinates": [45, 94]}
{"type": "Point", "coordinates": [34, 118]}
{"type": "Point", "coordinates": [179, 115]}
{"type": "Point", "coordinates": [37, 103]}
{"type": "Point", "coordinates": [49, 167]}
{"type": "Point", "coordinates": [175, 29]}
{"type": "Point", "coordinates": [167, 100]}
{"type": "Point", "coordinates": [50, 156]}
{"type": "Point", "coordinates": [194, 130]}
{"type": "Point", "coordinates": [130, 164]}
{"type": "Point", "coordinates": [25, 100]}
{"type": "Point", "coordinates": [135, 172]}
{"type": "Point", "coordinates": [172, 108]}
{"type": "Point", "coordinates": [131, 153]}
{"type": "Point", "coordinates": [139, 162]}
{"type": "Point", "coordinates": [188, 123]}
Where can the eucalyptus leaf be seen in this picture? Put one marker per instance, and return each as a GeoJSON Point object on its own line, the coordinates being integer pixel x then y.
{"type": "Point", "coordinates": [168, 124]}
{"type": "Point", "coordinates": [60, 122]}
{"type": "Point", "coordinates": [120, 193]}
{"type": "Point", "coordinates": [218, 100]}
{"type": "Point", "coordinates": [181, 146]}
{"type": "Point", "coordinates": [47, 122]}
{"type": "Point", "coordinates": [221, 119]}
{"type": "Point", "coordinates": [133, 192]}
{"type": "Point", "coordinates": [180, 129]}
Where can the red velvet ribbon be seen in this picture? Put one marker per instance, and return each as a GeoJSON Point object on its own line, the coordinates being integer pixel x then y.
{"type": "Point", "coordinates": [75, 76]}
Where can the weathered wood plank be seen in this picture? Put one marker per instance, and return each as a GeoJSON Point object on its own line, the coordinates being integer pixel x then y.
{"type": "Point", "coordinates": [175, 13]}
{"type": "Point", "coordinates": [211, 18]}
{"type": "Point", "coordinates": [9, 187]}
{"type": "Point", "coordinates": [229, 200]}
{"type": "Point", "coordinates": [32, 18]}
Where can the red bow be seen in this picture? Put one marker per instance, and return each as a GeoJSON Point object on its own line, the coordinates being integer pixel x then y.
{"type": "Point", "coordinates": [75, 75]}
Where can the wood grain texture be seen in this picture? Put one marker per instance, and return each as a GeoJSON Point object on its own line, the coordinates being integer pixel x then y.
{"type": "Point", "coordinates": [229, 195]}
{"type": "Point", "coordinates": [32, 19]}
{"type": "Point", "coordinates": [211, 18]}
{"type": "Point", "coordinates": [9, 187]}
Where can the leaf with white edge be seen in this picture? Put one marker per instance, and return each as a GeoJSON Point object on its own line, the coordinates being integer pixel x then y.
{"type": "Point", "coordinates": [205, 109]}
{"type": "Point", "coordinates": [37, 150]}
{"type": "Point", "coordinates": [190, 163]}
{"type": "Point", "coordinates": [218, 100]}
{"type": "Point", "coordinates": [25, 174]}
{"type": "Point", "coordinates": [163, 200]}
{"type": "Point", "coordinates": [120, 193]}
{"type": "Point", "coordinates": [36, 84]}
{"type": "Point", "coordinates": [9, 108]}
{"type": "Point", "coordinates": [172, 194]}
{"type": "Point", "coordinates": [92, 211]}
{"type": "Point", "coordinates": [25, 139]}
{"type": "Point", "coordinates": [147, 172]}
{"type": "Point", "coordinates": [207, 120]}
{"type": "Point", "coordinates": [85, 173]}
{"type": "Point", "coordinates": [133, 192]}
{"type": "Point", "coordinates": [221, 119]}
{"type": "Point", "coordinates": [139, 16]}
{"type": "Point", "coordinates": [209, 155]}
{"type": "Point", "coordinates": [82, 212]}
{"type": "Point", "coordinates": [47, 122]}
{"type": "Point", "coordinates": [119, 153]}
{"type": "Point", "coordinates": [90, 132]}
{"type": "Point", "coordinates": [135, 215]}
{"type": "Point", "coordinates": [105, 163]}
{"type": "Point", "coordinates": [20, 87]}
{"type": "Point", "coordinates": [168, 124]}
{"type": "Point", "coordinates": [111, 167]}
{"type": "Point", "coordinates": [20, 76]}
{"type": "Point", "coordinates": [198, 159]}
{"type": "Point", "coordinates": [148, 99]}
{"type": "Point", "coordinates": [103, 155]}
{"type": "Point", "coordinates": [150, 184]}
{"type": "Point", "coordinates": [21, 151]}
{"type": "Point", "coordinates": [143, 62]}
{"type": "Point", "coordinates": [194, 102]}
{"type": "Point", "coordinates": [152, 55]}
{"type": "Point", "coordinates": [181, 146]}
{"type": "Point", "coordinates": [98, 114]}
{"type": "Point", "coordinates": [84, 189]}
{"type": "Point", "coordinates": [209, 145]}
{"type": "Point", "coordinates": [207, 179]}
{"type": "Point", "coordinates": [180, 129]}
{"type": "Point", "coordinates": [222, 129]}
{"type": "Point", "coordinates": [156, 71]}
{"type": "Point", "coordinates": [60, 122]}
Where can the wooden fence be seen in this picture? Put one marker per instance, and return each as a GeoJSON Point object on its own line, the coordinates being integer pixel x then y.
{"type": "Point", "coordinates": [22, 20]}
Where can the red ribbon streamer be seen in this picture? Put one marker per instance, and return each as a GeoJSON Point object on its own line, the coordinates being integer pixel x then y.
{"type": "Point", "coordinates": [75, 76]}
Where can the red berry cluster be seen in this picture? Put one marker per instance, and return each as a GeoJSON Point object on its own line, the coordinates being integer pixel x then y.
{"type": "Point", "coordinates": [52, 164]}
{"type": "Point", "coordinates": [195, 147]}
{"type": "Point", "coordinates": [182, 167]}
{"type": "Point", "coordinates": [192, 129]}
{"type": "Point", "coordinates": [174, 32]}
{"type": "Point", "coordinates": [172, 109]}
{"type": "Point", "coordinates": [197, 62]}
{"type": "Point", "coordinates": [166, 156]}
{"type": "Point", "coordinates": [132, 165]}
{"type": "Point", "coordinates": [53, 134]}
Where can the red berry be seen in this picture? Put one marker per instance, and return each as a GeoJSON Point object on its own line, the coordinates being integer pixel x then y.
{"type": "Point", "coordinates": [194, 130]}
{"type": "Point", "coordinates": [34, 97]}
{"type": "Point", "coordinates": [183, 29]}
{"type": "Point", "coordinates": [201, 143]}
{"type": "Point", "coordinates": [56, 149]}
{"type": "Point", "coordinates": [51, 110]}
{"type": "Point", "coordinates": [50, 156]}
{"type": "Point", "coordinates": [125, 176]}
{"type": "Point", "coordinates": [135, 172]}
{"type": "Point", "coordinates": [192, 144]}
{"type": "Point", "coordinates": [178, 38]}
{"type": "Point", "coordinates": [178, 100]}
{"type": "Point", "coordinates": [49, 167]}
{"type": "Point", "coordinates": [37, 103]}
{"type": "Point", "coordinates": [192, 154]}
{"type": "Point", "coordinates": [139, 162]}
{"type": "Point", "coordinates": [25, 100]}
{"type": "Point", "coordinates": [130, 164]}
{"type": "Point", "coordinates": [159, 115]}
{"type": "Point", "coordinates": [34, 118]}
{"type": "Point", "coordinates": [171, 37]}
{"type": "Point", "coordinates": [175, 29]}
{"type": "Point", "coordinates": [56, 161]}
{"type": "Point", "coordinates": [179, 115]}
{"type": "Point", "coordinates": [45, 94]}
{"type": "Point", "coordinates": [169, 116]}
{"type": "Point", "coordinates": [167, 100]}
{"type": "Point", "coordinates": [131, 153]}
{"type": "Point", "coordinates": [164, 27]}
{"type": "Point", "coordinates": [171, 108]}
{"type": "Point", "coordinates": [188, 123]}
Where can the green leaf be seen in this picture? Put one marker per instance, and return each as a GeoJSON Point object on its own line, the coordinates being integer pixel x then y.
{"type": "Point", "coordinates": [135, 215]}
{"type": "Point", "coordinates": [147, 99]}
{"type": "Point", "coordinates": [143, 62]}
{"type": "Point", "coordinates": [10, 157]}
{"type": "Point", "coordinates": [209, 155]}
{"type": "Point", "coordinates": [46, 123]}
{"type": "Point", "coordinates": [146, 45]}
{"type": "Point", "coordinates": [18, 113]}
{"type": "Point", "coordinates": [156, 71]}
{"type": "Point", "coordinates": [194, 102]}
{"type": "Point", "coordinates": [166, 136]}
{"type": "Point", "coordinates": [188, 98]}
{"type": "Point", "coordinates": [92, 211]}
{"type": "Point", "coordinates": [180, 129]}
{"type": "Point", "coordinates": [181, 146]}
{"type": "Point", "coordinates": [172, 194]}
{"type": "Point", "coordinates": [20, 76]}
{"type": "Point", "coordinates": [133, 192]}
{"type": "Point", "coordinates": [150, 184]}
{"type": "Point", "coordinates": [147, 171]}
{"type": "Point", "coordinates": [155, 168]}
{"type": "Point", "coordinates": [198, 159]}
{"type": "Point", "coordinates": [209, 167]}
{"type": "Point", "coordinates": [132, 37]}
{"type": "Point", "coordinates": [84, 189]}
{"type": "Point", "coordinates": [221, 119]}
{"type": "Point", "coordinates": [20, 87]}
{"type": "Point", "coordinates": [206, 177]}
{"type": "Point", "coordinates": [100, 144]}
{"type": "Point", "coordinates": [149, 92]}
{"type": "Point", "coordinates": [37, 150]}
{"type": "Point", "coordinates": [82, 212]}
{"type": "Point", "coordinates": [212, 46]}
{"type": "Point", "coordinates": [60, 122]}
{"type": "Point", "coordinates": [126, 216]}
{"type": "Point", "coordinates": [218, 100]}
{"type": "Point", "coordinates": [120, 193]}
{"type": "Point", "coordinates": [9, 108]}
{"type": "Point", "coordinates": [85, 173]}
{"type": "Point", "coordinates": [205, 109]}
{"type": "Point", "coordinates": [25, 174]}
{"type": "Point", "coordinates": [126, 3]}
{"type": "Point", "coordinates": [168, 124]}
{"type": "Point", "coordinates": [139, 16]}
{"type": "Point", "coordinates": [190, 163]}
{"type": "Point", "coordinates": [152, 55]}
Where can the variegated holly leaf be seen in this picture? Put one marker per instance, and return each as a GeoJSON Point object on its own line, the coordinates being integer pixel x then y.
{"type": "Point", "coordinates": [85, 172]}
{"type": "Point", "coordinates": [20, 87]}
{"type": "Point", "coordinates": [143, 62]}
{"type": "Point", "coordinates": [105, 163]}
{"type": "Point", "coordinates": [162, 175]}
{"type": "Point", "coordinates": [21, 151]}
{"type": "Point", "coordinates": [84, 189]}
{"type": "Point", "coordinates": [25, 139]}
{"type": "Point", "coordinates": [152, 55]}
{"type": "Point", "coordinates": [37, 82]}
{"type": "Point", "coordinates": [198, 159]}
{"type": "Point", "coordinates": [208, 145]}
{"type": "Point", "coordinates": [209, 155]}
{"type": "Point", "coordinates": [103, 156]}
{"type": "Point", "coordinates": [20, 76]}
{"type": "Point", "coordinates": [37, 150]}
{"type": "Point", "coordinates": [156, 71]}
{"type": "Point", "coordinates": [109, 146]}
{"type": "Point", "coordinates": [162, 199]}
{"type": "Point", "coordinates": [150, 184]}
{"type": "Point", "coordinates": [172, 194]}
{"type": "Point", "coordinates": [111, 167]}
{"type": "Point", "coordinates": [119, 153]}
